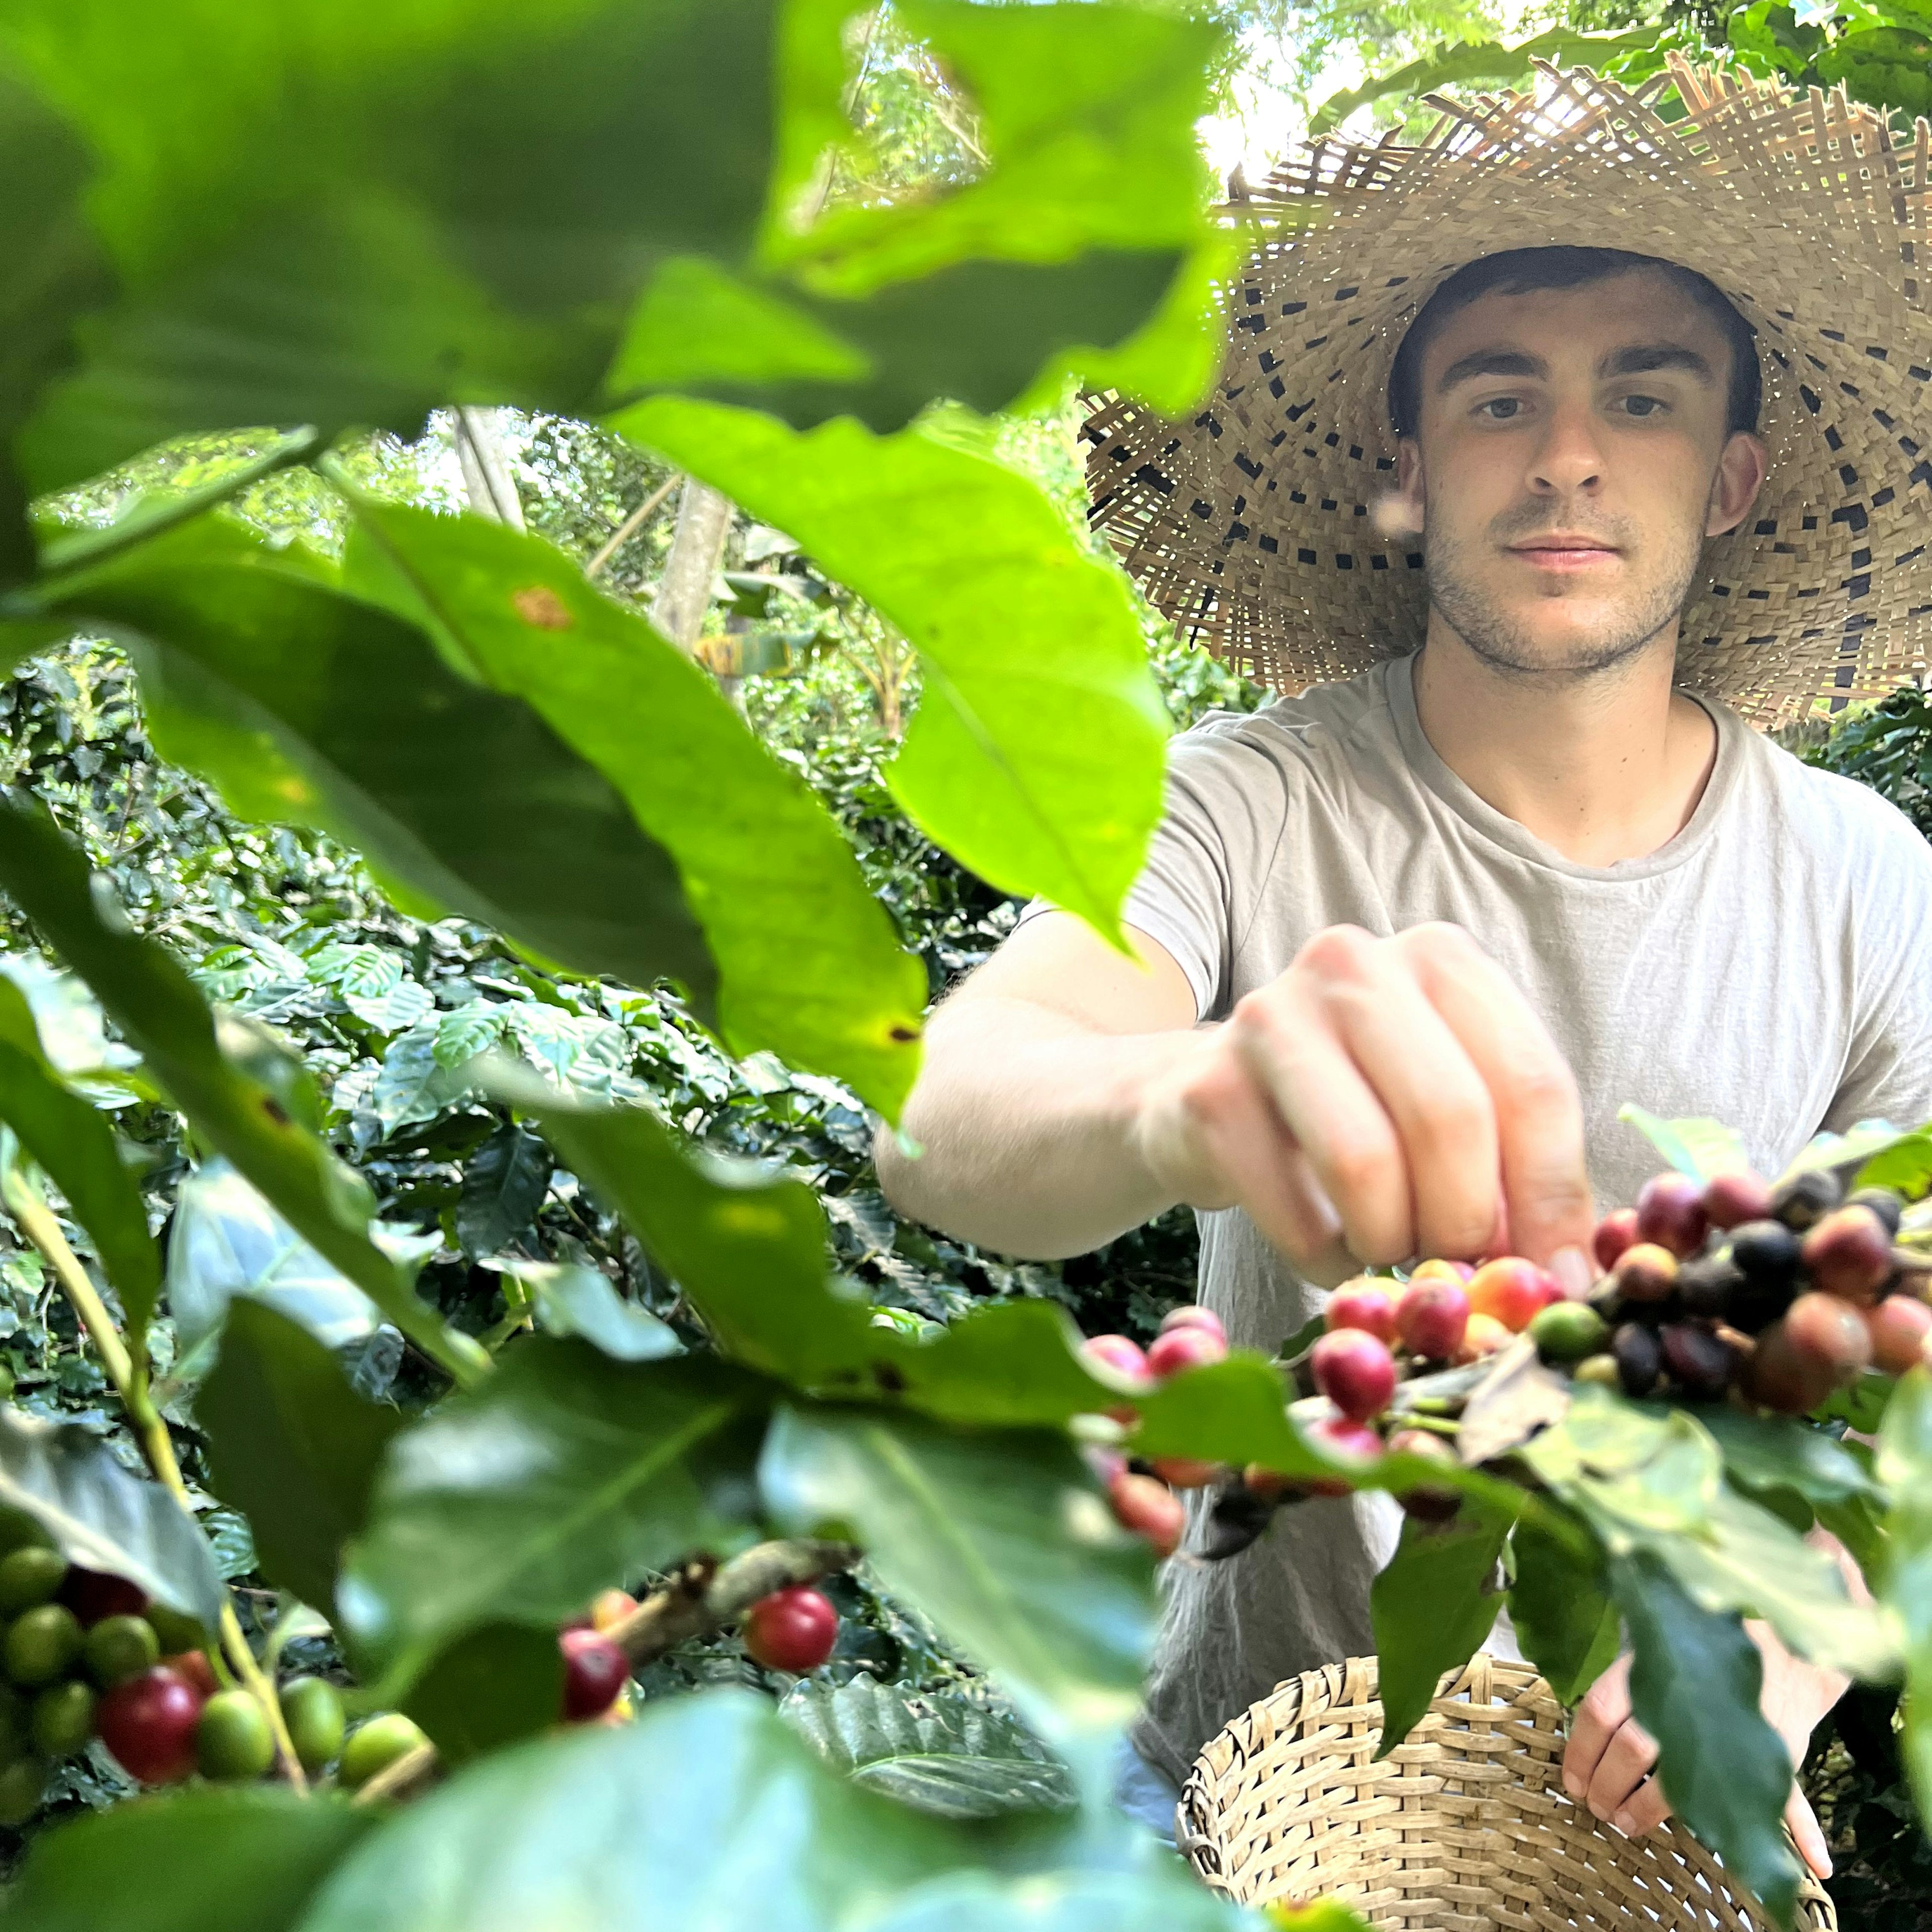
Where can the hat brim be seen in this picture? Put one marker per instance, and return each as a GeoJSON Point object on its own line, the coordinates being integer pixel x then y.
{"type": "Point", "coordinates": [1253, 525]}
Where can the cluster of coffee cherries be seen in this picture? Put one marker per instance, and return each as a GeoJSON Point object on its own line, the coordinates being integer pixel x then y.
{"type": "Point", "coordinates": [1784, 1294]}
{"type": "Point", "coordinates": [1142, 1493]}
{"type": "Point", "coordinates": [1727, 1288]}
{"type": "Point", "coordinates": [87, 1655]}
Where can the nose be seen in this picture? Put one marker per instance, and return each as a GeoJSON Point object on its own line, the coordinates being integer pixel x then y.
{"type": "Point", "coordinates": [1569, 460]}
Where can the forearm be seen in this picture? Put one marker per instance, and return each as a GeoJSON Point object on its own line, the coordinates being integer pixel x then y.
{"type": "Point", "coordinates": [1026, 1120]}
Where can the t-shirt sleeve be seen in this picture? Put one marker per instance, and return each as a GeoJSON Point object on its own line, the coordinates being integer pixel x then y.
{"type": "Point", "coordinates": [1222, 820]}
{"type": "Point", "coordinates": [1888, 1068]}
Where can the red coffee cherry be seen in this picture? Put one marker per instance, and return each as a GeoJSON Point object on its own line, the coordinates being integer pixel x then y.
{"type": "Point", "coordinates": [1730, 1200]}
{"type": "Point", "coordinates": [1355, 1371]}
{"type": "Point", "coordinates": [793, 1629]}
{"type": "Point", "coordinates": [148, 1722]}
{"type": "Point", "coordinates": [1615, 1232]}
{"type": "Point", "coordinates": [594, 1671]}
{"type": "Point", "coordinates": [1826, 1330]}
{"type": "Point", "coordinates": [1899, 1326]}
{"type": "Point", "coordinates": [1645, 1273]}
{"type": "Point", "coordinates": [1781, 1377]}
{"type": "Point", "coordinates": [1150, 1509]}
{"type": "Point", "coordinates": [1121, 1353]}
{"type": "Point", "coordinates": [1848, 1253]}
{"type": "Point", "coordinates": [1363, 1304]}
{"type": "Point", "coordinates": [1514, 1290]}
{"type": "Point", "coordinates": [1432, 1315]}
{"type": "Point", "coordinates": [1342, 1440]}
{"type": "Point", "coordinates": [1192, 1315]}
{"type": "Point", "coordinates": [1187, 1347]}
{"type": "Point", "coordinates": [1670, 1212]}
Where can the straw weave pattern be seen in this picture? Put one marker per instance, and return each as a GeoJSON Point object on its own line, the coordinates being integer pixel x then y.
{"type": "Point", "coordinates": [1252, 526]}
{"type": "Point", "coordinates": [1464, 1827]}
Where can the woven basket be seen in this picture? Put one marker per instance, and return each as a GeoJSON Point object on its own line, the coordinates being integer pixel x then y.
{"type": "Point", "coordinates": [1465, 1827]}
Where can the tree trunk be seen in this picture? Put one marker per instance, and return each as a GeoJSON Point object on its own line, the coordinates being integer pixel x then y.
{"type": "Point", "coordinates": [487, 481]}
{"type": "Point", "coordinates": [684, 593]}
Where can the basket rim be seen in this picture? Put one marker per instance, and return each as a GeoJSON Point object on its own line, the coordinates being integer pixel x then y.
{"type": "Point", "coordinates": [1492, 1682]}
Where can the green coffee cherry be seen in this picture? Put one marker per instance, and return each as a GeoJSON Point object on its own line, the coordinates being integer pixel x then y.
{"type": "Point", "coordinates": [312, 1709]}
{"type": "Point", "coordinates": [376, 1746]}
{"type": "Point", "coordinates": [21, 1785]}
{"type": "Point", "coordinates": [42, 1645]}
{"type": "Point", "coordinates": [232, 1742]}
{"type": "Point", "coordinates": [1600, 1370]}
{"type": "Point", "coordinates": [1567, 1331]}
{"type": "Point", "coordinates": [176, 1629]}
{"type": "Point", "coordinates": [63, 1718]}
{"type": "Point", "coordinates": [29, 1577]}
{"type": "Point", "coordinates": [118, 1647]}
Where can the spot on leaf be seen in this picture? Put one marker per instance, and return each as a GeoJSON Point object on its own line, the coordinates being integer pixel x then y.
{"type": "Point", "coordinates": [538, 603]}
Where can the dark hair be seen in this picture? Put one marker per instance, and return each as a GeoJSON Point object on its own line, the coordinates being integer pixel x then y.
{"type": "Point", "coordinates": [1522, 271]}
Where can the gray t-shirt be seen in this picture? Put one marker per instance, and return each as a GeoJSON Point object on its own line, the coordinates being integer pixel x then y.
{"type": "Point", "coordinates": [1766, 968]}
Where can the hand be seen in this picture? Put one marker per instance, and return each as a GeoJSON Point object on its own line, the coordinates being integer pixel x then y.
{"type": "Point", "coordinates": [1382, 1098]}
{"type": "Point", "coordinates": [1607, 1763]}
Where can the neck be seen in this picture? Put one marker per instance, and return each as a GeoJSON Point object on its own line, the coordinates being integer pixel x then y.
{"type": "Point", "coordinates": [1602, 768]}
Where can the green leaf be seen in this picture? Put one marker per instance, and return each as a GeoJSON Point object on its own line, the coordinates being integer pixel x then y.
{"type": "Point", "coordinates": [211, 1858]}
{"type": "Point", "coordinates": [75, 1145]}
{"type": "Point", "coordinates": [292, 1446]}
{"type": "Point", "coordinates": [707, 1811]}
{"type": "Point", "coordinates": [1905, 1582]}
{"type": "Point", "coordinates": [1905, 1166]}
{"type": "Point", "coordinates": [55, 270]}
{"type": "Point", "coordinates": [1159, 1895]}
{"type": "Point", "coordinates": [1767, 1452]}
{"type": "Point", "coordinates": [503, 1186]}
{"type": "Point", "coordinates": [1634, 1468]}
{"type": "Point", "coordinates": [999, 1536]}
{"type": "Point", "coordinates": [226, 1241]}
{"type": "Point", "coordinates": [460, 796]}
{"type": "Point", "coordinates": [156, 1006]}
{"type": "Point", "coordinates": [99, 1516]}
{"type": "Point", "coordinates": [1485, 62]}
{"type": "Point", "coordinates": [1564, 1620]}
{"type": "Point", "coordinates": [564, 1472]}
{"type": "Point", "coordinates": [402, 253]}
{"type": "Point", "coordinates": [1035, 757]}
{"type": "Point", "coordinates": [493, 1686]}
{"type": "Point", "coordinates": [749, 1250]}
{"type": "Point", "coordinates": [573, 1300]}
{"type": "Point", "coordinates": [1850, 1150]}
{"type": "Point", "coordinates": [1431, 1608]}
{"type": "Point", "coordinates": [807, 962]}
{"type": "Point", "coordinates": [1695, 1681]}
{"type": "Point", "coordinates": [1698, 1147]}
{"type": "Point", "coordinates": [943, 1751]}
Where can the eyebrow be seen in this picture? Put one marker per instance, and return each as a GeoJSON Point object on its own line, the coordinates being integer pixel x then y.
{"type": "Point", "coordinates": [1639, 359]}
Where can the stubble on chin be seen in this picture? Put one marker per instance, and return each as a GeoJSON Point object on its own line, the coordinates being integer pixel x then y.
{"type": "Point", "coordinates": [1499, 639]}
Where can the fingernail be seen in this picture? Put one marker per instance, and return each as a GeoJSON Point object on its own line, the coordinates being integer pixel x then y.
{"type": "Point", "coordinates": [1573, 1784]}
{"type": "Point", "coordinates": [1623, 1822]}
{"type": "Point", "coordinates": [1597, 1812]}
{"type": "Point", "coordinates": [1571, 1267]}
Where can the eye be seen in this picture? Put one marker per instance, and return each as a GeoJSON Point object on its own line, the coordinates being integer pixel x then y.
{"type": "Point", "coordinates": [1500, 408]}
{"type": "Point", "coordinates": [1642, 407]}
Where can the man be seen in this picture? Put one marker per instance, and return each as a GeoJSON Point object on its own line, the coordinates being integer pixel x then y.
{"type": "Point", "coordinates": [1405, 943]}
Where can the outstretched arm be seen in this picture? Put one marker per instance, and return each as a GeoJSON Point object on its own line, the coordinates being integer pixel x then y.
{"type": "Point", "coordinates": [1381, 1098]}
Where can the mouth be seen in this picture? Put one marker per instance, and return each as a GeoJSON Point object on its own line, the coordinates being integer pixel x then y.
{"type": "Point", "coordinates": [1564, 549]}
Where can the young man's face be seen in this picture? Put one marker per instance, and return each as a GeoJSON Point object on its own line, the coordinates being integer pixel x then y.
{"type": "Point", "coordinates": [1573, 456]}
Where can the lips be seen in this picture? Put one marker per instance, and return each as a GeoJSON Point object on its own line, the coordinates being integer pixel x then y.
{"type": "Point", "coordinates": [1563, 550]}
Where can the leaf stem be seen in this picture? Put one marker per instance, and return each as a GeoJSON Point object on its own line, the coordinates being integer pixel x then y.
{"type": "Point", "coordinates": [36, 1220]}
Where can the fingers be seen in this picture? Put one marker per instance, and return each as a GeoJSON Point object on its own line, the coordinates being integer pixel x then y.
{"type": "Point", "coordinates": [1234, 1148]}
{"type": "Point", "coordinates": [1806, 1834]}
{"type": "Point", "coordinates": [1602, 1714]}
{"type": "Point", "coordinates": [1539, 1119]}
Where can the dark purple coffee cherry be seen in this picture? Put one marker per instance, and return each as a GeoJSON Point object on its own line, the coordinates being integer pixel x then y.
{"type": "Point", "coordinates": [1699, 1363]}
{"type": "Point", "coordinates": [1639, 1358]}
{"type": "Point", "coordinates": [1706, 1285]}
{"type": "Point", "coordinates": [1805, 1197]}
{"type": "Point", "coordinates": [1886, 1205]}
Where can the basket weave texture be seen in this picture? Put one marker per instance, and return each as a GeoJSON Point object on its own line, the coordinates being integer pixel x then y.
{"type": "Point", "coordinates": [1465, 1827]}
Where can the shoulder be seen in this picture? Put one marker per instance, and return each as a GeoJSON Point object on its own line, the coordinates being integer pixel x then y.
{"type": "Point", "coordinates": [1288, 739]}
{"type": "Point", "coordinates": [1846, 825]}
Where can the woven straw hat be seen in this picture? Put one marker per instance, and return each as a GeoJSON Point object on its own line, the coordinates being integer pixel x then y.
{"type": "Point", "coordinates": [1252, 526]}
{"type": "Point", "coordinates": [1464, 1827]}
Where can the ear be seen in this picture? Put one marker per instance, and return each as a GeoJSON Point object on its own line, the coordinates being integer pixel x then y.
{"type": "Point", "coordinates": [1398, 513]}
{"type": "Point", "coordinates": [1741, 474]}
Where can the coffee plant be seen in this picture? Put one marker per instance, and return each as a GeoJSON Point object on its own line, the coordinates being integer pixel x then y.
{"type": "Point", "coordinates": [475, 1335]}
